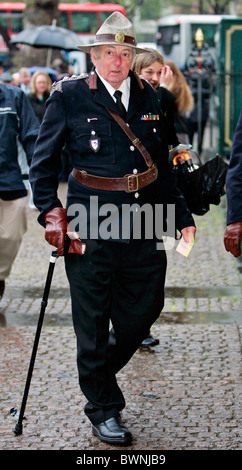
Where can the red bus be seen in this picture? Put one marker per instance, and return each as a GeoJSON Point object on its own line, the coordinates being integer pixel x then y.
{"type": "Point", "coordinates": [84, 19]}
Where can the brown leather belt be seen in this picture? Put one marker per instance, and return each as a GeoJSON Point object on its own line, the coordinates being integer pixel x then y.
{"type": "Point", "coordinates": [128, 183]}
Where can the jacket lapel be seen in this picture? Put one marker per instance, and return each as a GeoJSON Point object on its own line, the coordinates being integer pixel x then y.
{"type": "Point", "coordinates": [137, 96]}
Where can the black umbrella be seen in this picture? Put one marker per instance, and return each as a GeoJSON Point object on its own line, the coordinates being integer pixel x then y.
{"type": "Point", "coordinates": [204, 185]}
{"type": "Point", "coordinates": [49, 36]}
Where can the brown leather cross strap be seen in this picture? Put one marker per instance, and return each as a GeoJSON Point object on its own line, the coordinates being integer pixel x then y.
{"type": "Point", "coordinates": [128, 183]}
{"type": "Point", "coordinates": [135, 141]}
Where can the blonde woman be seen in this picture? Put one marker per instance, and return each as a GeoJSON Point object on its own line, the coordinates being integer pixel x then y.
{"type": "Point", "coordinates": [150, 65]}
{"type": "Point", "coordinates": [40, 86]}
{"type": "Point", "coordinates": [183, 102]}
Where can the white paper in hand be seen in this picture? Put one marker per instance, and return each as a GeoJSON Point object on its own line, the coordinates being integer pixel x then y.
{"type": "Point", "coordinates": [183, 247]}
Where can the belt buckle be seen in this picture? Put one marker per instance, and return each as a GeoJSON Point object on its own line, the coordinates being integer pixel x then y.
{"type": "Point", "coordinates": [130, 190]}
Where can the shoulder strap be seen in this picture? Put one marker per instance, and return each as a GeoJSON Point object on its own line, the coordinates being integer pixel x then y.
{"type": "Point", "coordinates": [57, 86]}
{"type": "Point", "coordinates": [135, 141]}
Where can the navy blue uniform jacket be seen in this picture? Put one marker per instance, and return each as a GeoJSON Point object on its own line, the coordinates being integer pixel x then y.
{"type": "Point", "coordinates": [17, 120]}
{"type": "Point", "coordinates": [76, 110]}
{"type": "Point", "coordinates": [234, 177]}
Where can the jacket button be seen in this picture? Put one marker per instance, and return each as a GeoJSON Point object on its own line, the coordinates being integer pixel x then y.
{"type": "Point", "coordinates": [131, 148]}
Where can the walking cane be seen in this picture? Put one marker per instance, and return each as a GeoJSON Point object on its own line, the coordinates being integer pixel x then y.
{"type": "Point", "coordinates": [18, 427]}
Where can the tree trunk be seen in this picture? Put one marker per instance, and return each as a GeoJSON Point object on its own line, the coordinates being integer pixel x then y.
{"type": "Point", "coordinates": [37, 12]}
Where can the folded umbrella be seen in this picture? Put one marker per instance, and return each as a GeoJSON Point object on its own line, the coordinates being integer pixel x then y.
{"type": "Point", "coordinates": [204, 185]}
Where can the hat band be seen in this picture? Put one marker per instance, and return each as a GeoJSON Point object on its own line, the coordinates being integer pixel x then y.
{"type": "Point", "coordinates": [119, 38]}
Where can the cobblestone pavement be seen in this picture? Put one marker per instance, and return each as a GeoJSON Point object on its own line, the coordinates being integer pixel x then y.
{"type": "Point", "coordinates": [184, 394]}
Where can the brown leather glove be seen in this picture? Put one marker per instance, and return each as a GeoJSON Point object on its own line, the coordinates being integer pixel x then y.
{"type": "Point", "coordinates": [75, 244]}
{"type": "Point", "coordinates": [56, 228]}
{"type": "Point", "coordinates": [232, 238]}
{"type": "Point", "coordinates": [56, 232]}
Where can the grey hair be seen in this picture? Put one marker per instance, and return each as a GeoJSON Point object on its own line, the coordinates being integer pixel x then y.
{"type": "Point", "coordinates": [96, 49]}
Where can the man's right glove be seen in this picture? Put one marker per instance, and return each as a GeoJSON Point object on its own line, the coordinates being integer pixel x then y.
{"type": "Point", "coordinates": [232, 238]}
{"type": "Point", "coordinates": [56, 228]}
{"type": "Point", "coordinates": [56, 231]}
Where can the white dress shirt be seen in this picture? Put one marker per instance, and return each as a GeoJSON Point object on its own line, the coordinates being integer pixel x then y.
{"type": "Point", "coordinates": [124, 88]}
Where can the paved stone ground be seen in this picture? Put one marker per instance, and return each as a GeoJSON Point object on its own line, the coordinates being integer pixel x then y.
{"type": "Point", "coordinates": [185, 394]}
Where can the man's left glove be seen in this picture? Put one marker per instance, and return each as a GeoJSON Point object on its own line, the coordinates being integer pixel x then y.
{"type": "Point", "coordinates": [232, 238]}
{"type": "Point", "coordinates": [56, 232]}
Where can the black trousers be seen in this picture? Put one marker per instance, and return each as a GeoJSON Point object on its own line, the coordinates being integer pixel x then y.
{"type": "Point", "coordinates": [121, 282]}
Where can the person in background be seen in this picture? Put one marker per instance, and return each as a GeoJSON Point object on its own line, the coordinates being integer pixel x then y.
{"type": "Point", "coordinates": [40, 86]}
{"type": "Point", "coordinates": [13, 79]}
{"type": "Point", "coordinates": [233, 232]}
{"type": "Point", "coordinates": [199, 71]}
{"type": "Point", "coordinates": [1, 67]}
{"type": "Point", "coordinates": [63, 69]}
{"type": "Point", "coordinates": [150, 65]}
{"type": "Point", "coordinates": [6, 77]}
{"type": "Point", "coordinates": [201, 104]}
{"type": "Point", "coordinates": [24, 79]}
{"type": "Point", "coordinates": [184, 102]}
{"type": "Point", "coordinates": [17, 121]}
{"type": "Point", "coordinates": [16, 78]}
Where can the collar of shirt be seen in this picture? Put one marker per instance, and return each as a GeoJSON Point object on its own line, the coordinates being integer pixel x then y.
{"type": "Point", "coordinates": [124, 88]}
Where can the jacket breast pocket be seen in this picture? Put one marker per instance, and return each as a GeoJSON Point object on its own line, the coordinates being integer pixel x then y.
{"type": "Point", "coordinates": [149, 133]}
{"type": "Point", "coordinates": [94, 142]}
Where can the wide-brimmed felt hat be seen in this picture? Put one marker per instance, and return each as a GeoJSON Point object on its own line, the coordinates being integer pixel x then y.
{"type": "Point", "coordinates": [117, 31]}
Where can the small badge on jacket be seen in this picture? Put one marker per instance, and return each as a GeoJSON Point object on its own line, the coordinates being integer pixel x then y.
{"type": "Point", "coordinates": [150, 117]}
{"type": "Point", "coordinates": [94, 142]}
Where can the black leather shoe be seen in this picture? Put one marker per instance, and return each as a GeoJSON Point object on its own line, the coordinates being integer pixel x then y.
{"type": "Point", "coordinates": [112, 432]}
{"type": "Point", "coordinates": [149, 341]}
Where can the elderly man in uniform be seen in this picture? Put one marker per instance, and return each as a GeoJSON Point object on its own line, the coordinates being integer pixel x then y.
{"type": "Point", "coordinates": [119, 278]}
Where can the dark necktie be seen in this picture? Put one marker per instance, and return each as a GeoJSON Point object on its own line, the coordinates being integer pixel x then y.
{"type": "Point", "coordinates": [119, 103]}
